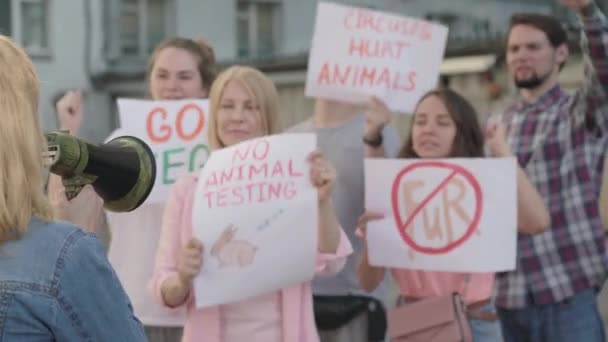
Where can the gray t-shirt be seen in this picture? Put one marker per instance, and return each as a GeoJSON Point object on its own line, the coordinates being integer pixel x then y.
{"type": "Point", "coordinates": [343, 147]}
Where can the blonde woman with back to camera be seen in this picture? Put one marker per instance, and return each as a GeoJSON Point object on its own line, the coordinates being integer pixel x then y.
{"type": "Point", "coordinates": [55, 281]}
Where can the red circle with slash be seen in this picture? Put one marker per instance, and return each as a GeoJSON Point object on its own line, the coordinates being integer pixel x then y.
{"type": "Point", "coordinates": [455, 170]}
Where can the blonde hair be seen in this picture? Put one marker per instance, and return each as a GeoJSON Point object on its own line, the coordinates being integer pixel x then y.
{"type": "Point", "coordinates": [21, 144]}
{"type": "Point", "coordinates": [262, 89]}
{"type": "Point", "coordinates": [199, 49]}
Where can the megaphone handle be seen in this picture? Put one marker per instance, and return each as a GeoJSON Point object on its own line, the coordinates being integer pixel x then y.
{"type": "Point", "coordinates": [73, 185]}
{"type": "Point", "coordinates": [72, 192]}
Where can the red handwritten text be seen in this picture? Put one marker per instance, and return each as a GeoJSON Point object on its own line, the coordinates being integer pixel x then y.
{"type": "Point", "coordinates": [434, 229]}
{"type": "Point", "coordinates": [365, 20]}
{"type": "Point", "coordinates": [258, 151]}
{"type": "Point", "coordinates": [253, 177]}
{"type": "Point", "coordinates": [368, 48]}
{"type": "Point", "coordinates": [258, 192]}
{"type": "Point", "coordinates": [253, 172]}
{"type": "Point", "coordinates": [159, 131]}
{"type": "Point", "coordinates": [366, 76]}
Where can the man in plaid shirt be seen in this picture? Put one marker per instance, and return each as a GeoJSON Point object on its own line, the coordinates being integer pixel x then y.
{"type": "Point", "coordinates": [559, 139]}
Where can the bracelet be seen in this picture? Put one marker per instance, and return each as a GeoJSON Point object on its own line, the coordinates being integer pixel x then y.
{"type": "Point", "coordinates": [376, 142]}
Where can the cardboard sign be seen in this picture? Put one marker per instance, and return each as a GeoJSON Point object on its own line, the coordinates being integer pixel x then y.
{"type": "Point", "coordinates": [357, 53]}
{"type": "Point", "coordinates": [443, 215]}
{"type": "Point", "coordinates": [256, 212]}
{"type": "Point", "coordinates": [176, 131]}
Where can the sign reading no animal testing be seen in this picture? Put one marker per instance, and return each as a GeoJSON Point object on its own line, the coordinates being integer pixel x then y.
{"type": "Point", "coordinates": [357, 53]}
{"type": "Point", "coordinates": [256, 213]}
{"type": "Point", "coordinates": [457, 215]}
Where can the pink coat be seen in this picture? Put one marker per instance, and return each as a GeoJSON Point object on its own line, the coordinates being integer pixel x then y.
{"type": "Point", "coordinates": [203, 325]}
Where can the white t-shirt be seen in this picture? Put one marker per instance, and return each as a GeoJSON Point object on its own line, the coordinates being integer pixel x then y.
{"type": "Point", "coordinates": [132, 253]}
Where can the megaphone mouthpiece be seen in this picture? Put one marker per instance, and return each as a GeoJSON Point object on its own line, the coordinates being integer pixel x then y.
{"type": "Point", "coordinates": [122, 171]}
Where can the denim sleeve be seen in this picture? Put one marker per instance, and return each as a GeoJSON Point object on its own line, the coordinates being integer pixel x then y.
{"type": "Point", "coordinates": [92, 303]}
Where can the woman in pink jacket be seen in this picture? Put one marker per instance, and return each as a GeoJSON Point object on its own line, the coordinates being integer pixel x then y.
{"type": "Point", "coordinates": [244, 105]}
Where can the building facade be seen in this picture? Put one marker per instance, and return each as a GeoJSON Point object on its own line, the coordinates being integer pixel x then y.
{"type": "Point", "coordinates": [101, 46]}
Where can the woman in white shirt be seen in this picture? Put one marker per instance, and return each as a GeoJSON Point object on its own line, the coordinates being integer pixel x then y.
{"type": "Point", "coordinates": [178, 69]}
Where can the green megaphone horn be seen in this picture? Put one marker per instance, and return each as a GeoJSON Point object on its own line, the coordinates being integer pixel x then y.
{"type": "Point", "coordinates": [121, 171]}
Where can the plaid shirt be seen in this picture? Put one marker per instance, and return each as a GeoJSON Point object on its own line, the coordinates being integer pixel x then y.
{"type": "Point", "coordinates": [560, 141]}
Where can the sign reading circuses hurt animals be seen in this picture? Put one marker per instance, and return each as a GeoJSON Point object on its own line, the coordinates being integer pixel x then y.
{"type": "Point", "coordinates": [357, 53]}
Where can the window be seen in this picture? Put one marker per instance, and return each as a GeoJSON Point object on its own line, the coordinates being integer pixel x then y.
{"type": "Point", "coordinates": [32, 29]}
{"type": "Point", "coordinates": [129, 27]}
{"type": "Point", "coordinates": [466, 30]}
{"type": "Point", "coordinates": [258, 30]}
{"type": "Point", "coordinates": [5, 17]}
{"type": "Point", "coordinates": [142, 24]}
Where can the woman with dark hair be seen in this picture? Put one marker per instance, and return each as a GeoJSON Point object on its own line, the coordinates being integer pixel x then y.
{"type": "Point", "coordinates": [445, 125]}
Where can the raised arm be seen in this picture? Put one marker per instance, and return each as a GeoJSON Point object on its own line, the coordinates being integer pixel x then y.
{"type": "Point", "coordinates": [594, 45]}
{"type": "Point", "coordinates": [86, 209]}
{"type": "Point", "coordinates": [377, 117]}
{"type": "Point", "coordinates": [69, 112]}
{"type": "Point", "coordinates": [604, 196]}
{"type": "Point", "coordinates": [532, 213]}
{"type": "Point", "coordinates": [333, 247]}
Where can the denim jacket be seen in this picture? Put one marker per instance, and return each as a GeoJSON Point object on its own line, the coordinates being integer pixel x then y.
{"type": "Point", "coordinates": [56, 284]}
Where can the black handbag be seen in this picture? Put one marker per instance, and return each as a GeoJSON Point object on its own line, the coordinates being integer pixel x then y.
{"type": "Point", "coordinates": [333, 312]}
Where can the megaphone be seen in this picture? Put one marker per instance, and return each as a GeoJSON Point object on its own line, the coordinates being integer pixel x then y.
{"type": "Point", "coordinates": [121, 171]}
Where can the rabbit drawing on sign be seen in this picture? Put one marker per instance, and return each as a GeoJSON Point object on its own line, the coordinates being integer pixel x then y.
{"type": "Point", "coordinates": [231, 252]}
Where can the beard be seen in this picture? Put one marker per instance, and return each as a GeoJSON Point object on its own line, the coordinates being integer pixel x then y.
{"type": "Point", "coordinates": [532, 82]}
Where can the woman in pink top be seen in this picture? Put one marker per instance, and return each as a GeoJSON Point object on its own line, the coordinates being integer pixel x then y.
{"type": "Point", "coordinates": [445, 125]}
{"type": "Point", "coordinates": [244, 105]}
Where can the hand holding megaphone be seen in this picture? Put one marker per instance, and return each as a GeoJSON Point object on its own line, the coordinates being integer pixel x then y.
{"type": "Point", "coordinates": [84, 210]}
{"type": "Point", "coordinates": [122, 172]}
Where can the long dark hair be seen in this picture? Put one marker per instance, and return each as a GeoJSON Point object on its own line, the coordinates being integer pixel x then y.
{"type": "Point", "coordinates": [468, 141]}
